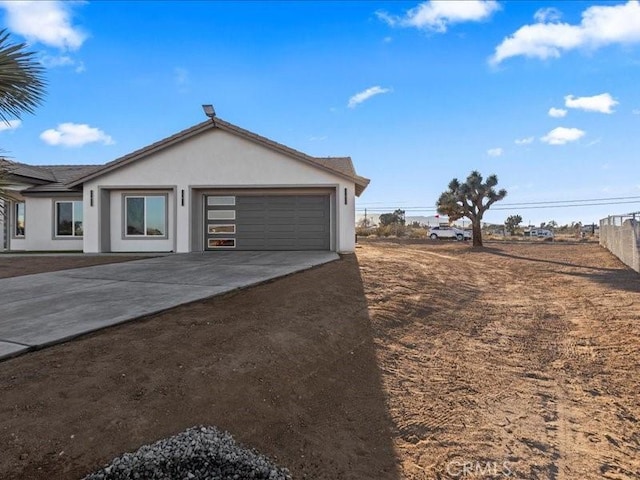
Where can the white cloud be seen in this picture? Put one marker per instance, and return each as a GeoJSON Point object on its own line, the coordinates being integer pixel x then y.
{"type": "Point", "coordinates": [10, 125]}
{"type": "Point", "coordinates": [495, 152]}
{"type": "Point", "coordinates": [317, 138]}
{"type": "Point", "coordinates": [75, 135]}
{"type": "Point", "coordinates": [602, 103]}
{"type": "Point", "coordinates": [600, 26]}
{"type": "Point", "coordinates": [366, 95]}
{"type": "Point", "coordinates": [46, 22]}
{"type": "Point", "coordinates": [55, 61]}
{"type": "Point", "coordinates": [524, 141]}
{"type": "Point", "coordinates": [437, 15]}
{"type": "Point", "coordinates": [562, 135]}
{"type": "Point", "coordinates": [557, 112]}
{"type": "Point", "coordinates": [549, 14]}
{"type": "Point", "coordinates": [636, 111]}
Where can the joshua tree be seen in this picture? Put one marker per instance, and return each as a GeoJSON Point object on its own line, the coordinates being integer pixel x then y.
{"type": "Point", "coordinates": [470, 199]}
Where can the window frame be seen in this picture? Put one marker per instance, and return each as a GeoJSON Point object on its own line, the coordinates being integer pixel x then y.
{"type": "Point", "coordinates": [145, 236]}
{"type": "Point", "coordinates": [56, 224]}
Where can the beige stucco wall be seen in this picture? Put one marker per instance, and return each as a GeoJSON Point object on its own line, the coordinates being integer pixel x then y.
{"type": "Point", "coordinates": [214, 159]}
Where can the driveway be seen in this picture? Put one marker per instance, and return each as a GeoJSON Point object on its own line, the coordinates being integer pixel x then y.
{"type": "Point", "coordinates": [48, 308]}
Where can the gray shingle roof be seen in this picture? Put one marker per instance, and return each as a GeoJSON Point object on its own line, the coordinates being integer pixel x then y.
{"type": "Point", "coordinates": [63, 175]}
{"type": "Point", "coordinates": [50, 178]}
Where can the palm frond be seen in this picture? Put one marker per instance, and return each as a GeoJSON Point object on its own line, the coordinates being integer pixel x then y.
{"type": "Point", "coordinates": [22, 83]}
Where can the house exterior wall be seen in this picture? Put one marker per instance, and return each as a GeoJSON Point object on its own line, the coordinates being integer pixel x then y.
{"type": "Point", "coordinates": [213, 159]}
{"type": "Point", "coordinates": [39, 227]}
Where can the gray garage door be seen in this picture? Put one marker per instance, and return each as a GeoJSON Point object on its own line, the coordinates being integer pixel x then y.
{"type": "Point", "coordinates": [267, 222]}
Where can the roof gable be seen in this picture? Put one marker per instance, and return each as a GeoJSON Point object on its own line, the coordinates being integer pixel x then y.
{"type": "Point", "coordinates": [341, 166]}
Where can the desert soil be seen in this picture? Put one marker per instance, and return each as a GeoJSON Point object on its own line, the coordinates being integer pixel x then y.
{"type": "Point", "coordinates": [14, 266]}
{"type": "Point", "coordinates": [417, 360]}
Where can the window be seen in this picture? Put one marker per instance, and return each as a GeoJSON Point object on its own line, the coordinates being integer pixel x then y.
{"type": "Point", "coordinates": [69, 219]}
{"type": "Point", "coordinates": [213, 201]}
{"type": "Point", "coordinates": [146, 216]}
{"type": "Point", "coordinates": [220, 229]}
{"type": "Point", "coordinates": [19, 220]}
{"type": "Point", "coordinates": [221, 215]}
{"type": "Point", "coordinates": [222, 243]}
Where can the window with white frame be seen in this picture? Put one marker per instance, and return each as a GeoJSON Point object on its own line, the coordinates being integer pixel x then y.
{"type": "Point", "coordinates": [18, 224]}
{"type": "Point", "coordinates": [69, 219]}
{"type": "Point", "coordinates": [146, 215]}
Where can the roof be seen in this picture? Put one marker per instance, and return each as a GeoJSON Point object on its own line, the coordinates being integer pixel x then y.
{"type": "Point", "coordinates": [342, 166]}
{"type": "Point", "coordinates": [64, 175]}
{"type": "Point", "coordinates": [48, 178]}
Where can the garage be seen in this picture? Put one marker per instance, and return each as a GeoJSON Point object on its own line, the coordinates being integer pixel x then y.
{"type": "Point", "coordinates": [268, 222]}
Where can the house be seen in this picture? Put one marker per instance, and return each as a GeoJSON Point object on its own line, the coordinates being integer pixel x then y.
{"type": "Point", "coordinates": [214, 186]}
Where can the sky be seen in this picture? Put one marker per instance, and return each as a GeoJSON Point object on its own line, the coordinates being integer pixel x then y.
{"type": "Point", "coordinates": [543, 94]}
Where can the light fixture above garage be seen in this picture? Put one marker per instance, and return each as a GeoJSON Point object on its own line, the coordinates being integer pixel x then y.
{"type": "Point", "coordinates": [209, 111]}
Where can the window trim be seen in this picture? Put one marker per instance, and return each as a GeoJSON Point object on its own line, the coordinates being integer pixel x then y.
{"type": "Point", "coordinates": [73, 235]}
{"type": "Point", "coordinates": [145, 195]}
{"type": "Point", "coordinates": [14, 221]}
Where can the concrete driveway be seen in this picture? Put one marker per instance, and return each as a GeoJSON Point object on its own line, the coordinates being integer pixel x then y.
{"type": "Point", "coordinates": [48, 308]}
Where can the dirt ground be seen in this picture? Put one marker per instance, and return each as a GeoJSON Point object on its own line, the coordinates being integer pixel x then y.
{"type": "Point", "coordinates": [417, 360]}
{"type": "Point", "coordinates": [14, 266]}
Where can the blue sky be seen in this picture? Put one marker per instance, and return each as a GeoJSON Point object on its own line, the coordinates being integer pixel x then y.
{"type": "Point", "coordinates": [543, 94]}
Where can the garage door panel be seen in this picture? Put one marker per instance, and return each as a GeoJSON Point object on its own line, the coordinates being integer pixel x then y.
{"type": "Point", "coordinates": [250, 228]}
{"type": "Point", "coordinates": [282, 222]}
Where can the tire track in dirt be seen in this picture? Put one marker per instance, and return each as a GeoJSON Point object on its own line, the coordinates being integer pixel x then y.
{"type": "Point", "coordinates": [508, 355]}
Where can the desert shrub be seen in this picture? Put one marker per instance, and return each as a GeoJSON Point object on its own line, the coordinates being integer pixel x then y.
{"type": "Point", "coordinates": [417, 233]}
{"type": "Point", "coordinates": [393, 230]}
{"type": "Point", "coordinates": [365, 231]}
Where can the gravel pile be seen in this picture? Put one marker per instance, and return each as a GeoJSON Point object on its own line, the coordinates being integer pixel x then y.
{"type": "Point", "coordinates": [198, 453]}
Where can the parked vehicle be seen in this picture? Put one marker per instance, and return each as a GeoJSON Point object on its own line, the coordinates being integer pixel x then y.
{"type": "Point", "coordinates": [541, 232]}
{"type": "Point", "coordinates": [449, 232]}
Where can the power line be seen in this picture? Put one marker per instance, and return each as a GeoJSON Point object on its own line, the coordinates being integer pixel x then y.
{"type": "Point", "coordinates": [565, 206]}
{"type": "Point", "coordinates": [512, 204]}
{"type": "Point", "coordinates": [521, 206]}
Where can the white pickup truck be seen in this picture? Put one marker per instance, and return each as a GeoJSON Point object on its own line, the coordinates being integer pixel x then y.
{"type": "Point", "coordinates": [449, 232]}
